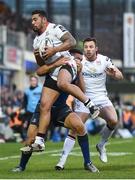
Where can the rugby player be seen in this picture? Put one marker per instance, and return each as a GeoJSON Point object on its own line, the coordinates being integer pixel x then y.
{"type": "Point", "coordinates": [60, 41]}
{"type": "Point", "coordinates": [95, 69]}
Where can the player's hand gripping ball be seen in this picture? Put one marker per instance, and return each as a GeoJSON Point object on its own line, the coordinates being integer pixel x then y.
{"type": "Point", "coordinates": [42, 48]}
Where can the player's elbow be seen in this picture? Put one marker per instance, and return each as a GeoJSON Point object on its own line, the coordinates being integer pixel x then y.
{"type": "Point", "coordinates": [73, 43]}
{"type": "Point", "coordinates": [63, 85]}
{"type": "Point", "coordinates": [121, 77]}
{"type": "Point", "coordinates": [40, 73]}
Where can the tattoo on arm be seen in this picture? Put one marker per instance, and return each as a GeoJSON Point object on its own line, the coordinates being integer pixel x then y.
{"type": "Point", "coordinates": [67, 37]}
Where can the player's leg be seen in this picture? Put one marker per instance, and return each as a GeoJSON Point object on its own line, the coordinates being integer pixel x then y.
{"type": "Point", "coordinates": [64, 82]}
{"type": "Point", "coordinates": [109, 114]}
{"type": "Point", "coordinates": [83, 113]}
{"type": "Point", "coordinates": [25, 156]}
{"type": "Point", "coordinates": [73, 122]}
{"type": "Point", "coordinates": [49, 96]}
{"type": "Point", "coordinates": [70, 141]}
{"type": "Point", "coordinates": [65, 85]}
{"type": "Point", "coordinates": [31, 134]}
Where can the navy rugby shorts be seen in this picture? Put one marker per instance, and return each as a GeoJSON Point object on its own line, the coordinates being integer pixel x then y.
{"type": "Point", "coordinates": [58, 115]}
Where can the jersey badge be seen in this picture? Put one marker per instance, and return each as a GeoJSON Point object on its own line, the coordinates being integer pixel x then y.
{"type": "Point", "coordinates": [92, 70]}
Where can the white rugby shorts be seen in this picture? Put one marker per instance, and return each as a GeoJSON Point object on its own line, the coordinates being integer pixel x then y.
{"type": "Point", "coordinates": [80, 107]}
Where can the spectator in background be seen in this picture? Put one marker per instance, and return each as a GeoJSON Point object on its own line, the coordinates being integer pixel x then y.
{"type": "Point", "coordinates": [126, 115]}
{"type": "Point", "coordinates": [17, 99]}
{"type": "Point", "coordinates": [31, 97]}
{"type": "Point", "coordinates": [15, 122]}
{"type": "Point", "coordinates": [132, 120]}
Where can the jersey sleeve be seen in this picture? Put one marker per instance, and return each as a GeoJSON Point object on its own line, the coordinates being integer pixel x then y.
{"type": "Point", "coordinates": [109, 63]}
{"type": "Point", "coordinates": [35, 43]}
{"type": "Point", "coordinates": [59, 31]}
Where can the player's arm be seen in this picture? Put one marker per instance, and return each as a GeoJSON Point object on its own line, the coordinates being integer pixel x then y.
{"type": "Point", "coordinates": [39, 60]}
{"type": "Point", "coordinates": [80, 80]}
{"type": "Point", "coordinates": [47, 68]}
{"type": "Point", "coordinates": [114, 72]}
{"type": "Point", "coordinates": [68, 43]}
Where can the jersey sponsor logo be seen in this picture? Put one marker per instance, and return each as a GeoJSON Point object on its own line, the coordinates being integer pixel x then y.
{"type": "Point", "coordinates": [92, 75]}
{"type": "Point", "coordinates": [92, 70]}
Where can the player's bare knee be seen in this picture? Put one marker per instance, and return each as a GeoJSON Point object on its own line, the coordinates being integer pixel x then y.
{"type": "Point", "coordinates": [72, 133]}
{"type": "Point", "coordinates": [113, 123]}
{"type": "Point", "coordinates": [62, 85]}
{"type": "Point", "coordinates": [80, 129]}
{"type": "Point", "coordinates": [44, 106]}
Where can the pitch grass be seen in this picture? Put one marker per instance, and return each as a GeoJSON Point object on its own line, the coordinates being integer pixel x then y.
{"type": "Point", "coordinates": [41, 166]}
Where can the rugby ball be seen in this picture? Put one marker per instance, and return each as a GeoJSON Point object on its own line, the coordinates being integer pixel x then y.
{"type": "Point", "coordinates": [47, 43]}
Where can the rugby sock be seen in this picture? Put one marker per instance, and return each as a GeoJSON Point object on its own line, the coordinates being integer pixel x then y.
{"type": "Point", "coordinates": [84, 144]}
{"type": "Point", "coordinates": [41, 135]}
{"type": "Point", "coordinates": [24, 160]}
{"type": "Point", "coordinates": [67, 148]}
{"type": "Point", "coordinates": [39, 138]}
{"type": "Point", "coordinates": [105, 135]}
{"type": "Point", "coordinates": [89, 103]}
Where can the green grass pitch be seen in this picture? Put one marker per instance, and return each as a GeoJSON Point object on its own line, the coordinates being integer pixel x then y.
{"type": "Point", "coordinates": [121, 161]}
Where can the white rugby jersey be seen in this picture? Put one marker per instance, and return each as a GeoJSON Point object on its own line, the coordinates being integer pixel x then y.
{"type": "Point", "coordinates": [95, 76]}
{"type": "Point", "coordinates": [51, 37]}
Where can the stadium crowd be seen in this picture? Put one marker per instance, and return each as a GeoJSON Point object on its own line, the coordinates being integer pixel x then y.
{"type": "Point", "coordinates": [13, 121]}
{"type": "Point", "coordinates": [9, 18]}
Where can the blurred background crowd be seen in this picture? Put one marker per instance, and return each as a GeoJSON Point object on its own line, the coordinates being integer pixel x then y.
{"type": "Point", "coordinates": [110, 21]}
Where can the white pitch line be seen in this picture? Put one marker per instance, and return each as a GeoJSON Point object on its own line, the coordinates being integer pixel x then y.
{"type": "Point", "coordinates": [59, 150]}
{"type": "Point", "coordinates": [79, 154]}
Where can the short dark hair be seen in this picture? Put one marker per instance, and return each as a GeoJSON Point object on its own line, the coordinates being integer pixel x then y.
{"type": "Point", "coordinates": [90, 39]}
{"type": "Point", "coordinates": [73, 51]}
{"type": "Point", "coordinates": [40, 12]}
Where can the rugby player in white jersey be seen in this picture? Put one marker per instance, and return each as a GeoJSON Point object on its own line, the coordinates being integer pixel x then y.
{"type": "Point", "coordinates": [58, 41]}
{"type": "Point", "coordinates": [95, 69]}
